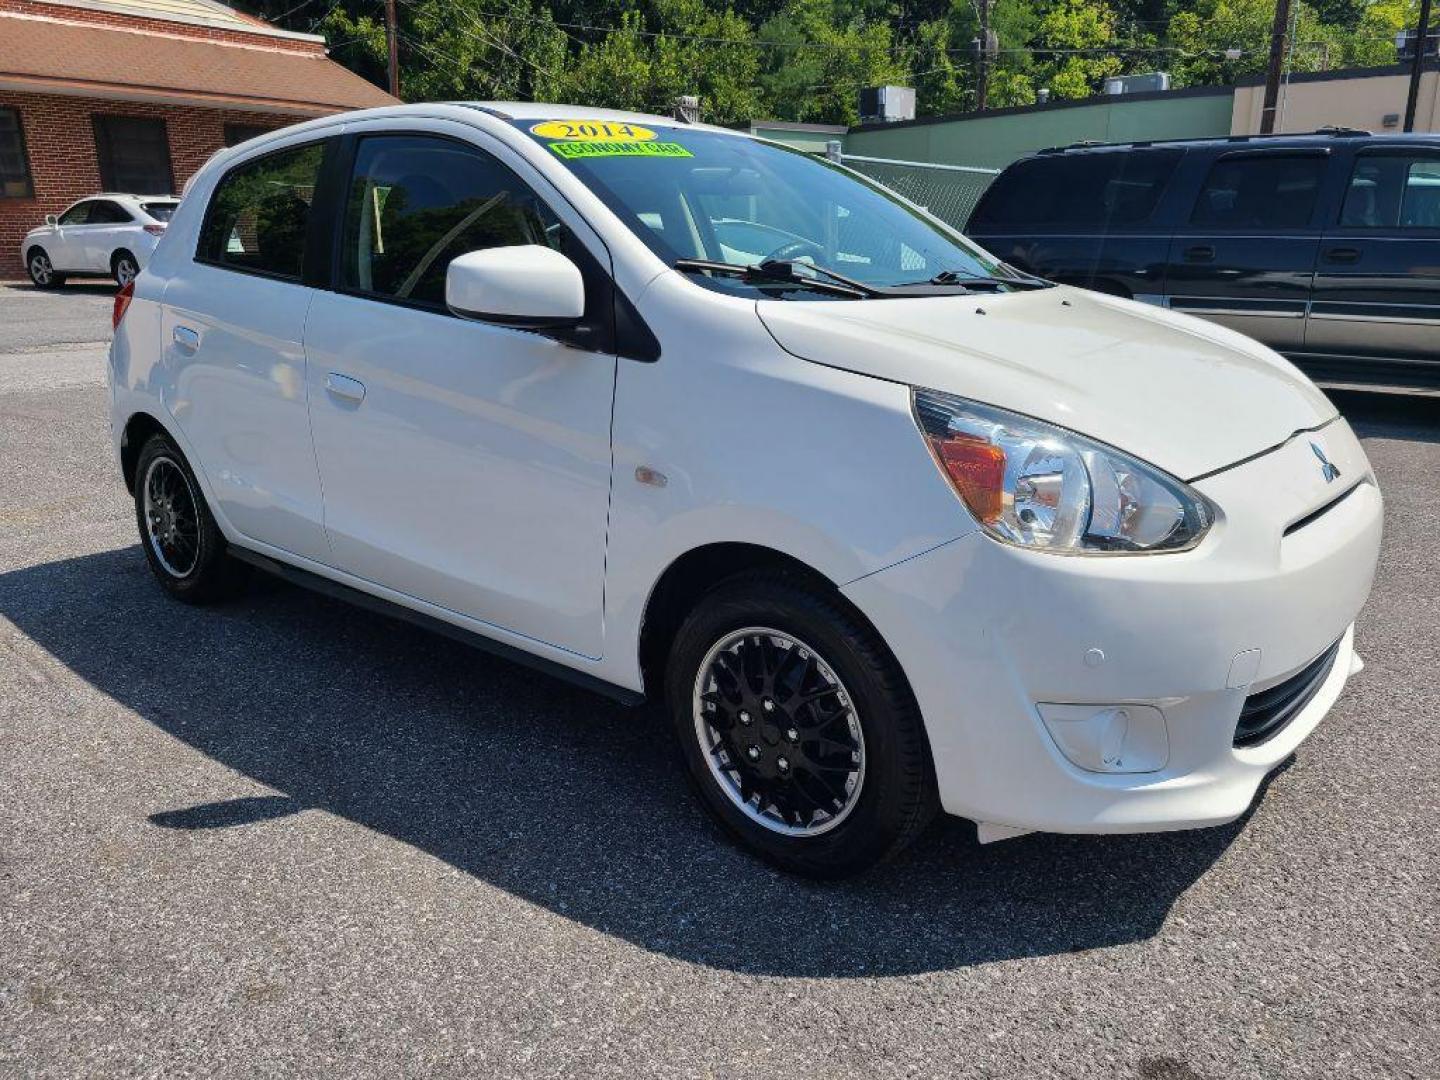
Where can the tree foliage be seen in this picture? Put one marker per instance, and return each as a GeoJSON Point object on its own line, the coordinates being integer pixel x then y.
{"type": "Point", "coordinates": [807, 59]}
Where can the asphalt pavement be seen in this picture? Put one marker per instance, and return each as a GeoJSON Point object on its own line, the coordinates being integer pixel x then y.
{"type": "Point", "coordinates": [289, 838]}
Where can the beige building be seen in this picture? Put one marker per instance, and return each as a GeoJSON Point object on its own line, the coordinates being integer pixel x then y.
{"type": "Point", "coordinates": [1372, 99]}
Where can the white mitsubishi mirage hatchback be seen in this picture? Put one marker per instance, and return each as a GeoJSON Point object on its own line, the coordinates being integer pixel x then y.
{"type": "Point", "coordinates": [682, 415]}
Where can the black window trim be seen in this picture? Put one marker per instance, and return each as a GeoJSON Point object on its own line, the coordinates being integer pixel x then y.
{"type": "Point", "coordinates": [29, 172]}
{"type": "Point", "coordinates": [95, 122]}
{"type": "Point", "coordinates": [1420, 151]}
{"type": "Point", "coordinates": [314, 236]}
{"type": "Point", "coordinates": [1321, 153]}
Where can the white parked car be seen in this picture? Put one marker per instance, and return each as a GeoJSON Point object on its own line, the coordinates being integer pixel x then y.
{"type": "Point", "coordinates": [885, 525]}
{"type": "Point", "coordinates": [109, 234]}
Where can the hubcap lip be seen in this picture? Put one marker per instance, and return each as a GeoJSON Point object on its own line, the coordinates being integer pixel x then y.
{"type": "Point", "coordinates": [725, 775]}
{"type": "Point", "coordinates": [165, 490]}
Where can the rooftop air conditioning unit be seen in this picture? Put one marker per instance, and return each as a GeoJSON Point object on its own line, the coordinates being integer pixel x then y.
{"type": "Point", "coordinates": [886, 104]}
{"type": "Point", "coordinates": [1148, 83]}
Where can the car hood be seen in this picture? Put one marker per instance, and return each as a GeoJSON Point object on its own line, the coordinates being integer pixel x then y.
{"type": "Point", "coordinates": [1187, 396]}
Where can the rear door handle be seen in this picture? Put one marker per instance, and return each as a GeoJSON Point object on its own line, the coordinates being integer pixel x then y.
{"type": "Point", "coordinates": [1200, 253]}
{"type": "Point", "coordinates": [1343, 255]}
{"type": "Point", "coordinates": [343, 386]}
{"type": "Point", "coordinates": [186, 338]}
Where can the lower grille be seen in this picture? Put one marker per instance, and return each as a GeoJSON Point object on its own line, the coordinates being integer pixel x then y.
{"type": "Point", "coordinates": [1266, 712]}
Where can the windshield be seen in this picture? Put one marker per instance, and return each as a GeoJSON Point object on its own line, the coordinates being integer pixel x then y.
{"type": "Point", "coordinates": [701, 195]}
{"type": "Point", "coordinates": [160, 211]}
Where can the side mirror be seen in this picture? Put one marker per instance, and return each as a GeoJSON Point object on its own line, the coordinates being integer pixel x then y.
{"type": "Point", "coordinates": [51, 219]}
{"type": "Point", "coordinates": [530, 286]}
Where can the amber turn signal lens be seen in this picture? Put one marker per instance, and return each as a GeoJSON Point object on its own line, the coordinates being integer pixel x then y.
{"type": "Point", "coordinates": [977, 469]}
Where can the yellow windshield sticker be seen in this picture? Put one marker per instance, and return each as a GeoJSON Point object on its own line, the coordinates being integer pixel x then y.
{"type": "Point", "coordinates": [606, 130]}
{"type": "Point", "coordinates": [572, 151]}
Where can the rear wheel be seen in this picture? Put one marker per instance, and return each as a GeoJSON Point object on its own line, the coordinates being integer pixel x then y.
{"type": "Point", "coordinates": [124, 267]}
{"type": "Point", "coordinates": [42, 271]}
{"type": "Point", "coordinates": [183, 545]}
{"type": "Point", "coordinates": [798, 727]}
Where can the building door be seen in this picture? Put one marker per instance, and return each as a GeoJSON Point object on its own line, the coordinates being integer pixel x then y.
{"type": "Point", "coordinates": [1377, 284]}
{"type": "Point", "coordinates": [1246, 257]}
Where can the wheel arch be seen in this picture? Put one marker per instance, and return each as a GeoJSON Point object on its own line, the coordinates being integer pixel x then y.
{"type": "Point", "coordinates": [138, 430]}
{"type": "Point", "coordinates": [691, 575]}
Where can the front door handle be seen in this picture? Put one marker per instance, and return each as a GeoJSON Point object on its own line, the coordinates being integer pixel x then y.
{"type": "Point", "coordinates": [1343, 255]}
{"type": "Point", "coordinates": [187, 339]}
{"type": "Point", "coordinates": [344, 387]}
{"type": "Point", "coordinates": [1200, 253]}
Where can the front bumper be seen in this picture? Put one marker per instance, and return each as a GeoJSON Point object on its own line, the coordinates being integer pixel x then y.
{"type": "Point", "coordinates": [988, 634]}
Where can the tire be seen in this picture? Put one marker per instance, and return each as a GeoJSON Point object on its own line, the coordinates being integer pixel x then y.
{"type": "Point", "coordinates": [124, 267]}
{"type": "Point", "coordinates": [851, 765]}
{"type": "Point", "coordinates": [43, 274]}
{"type": "Point", "coordinates": [183, 545]}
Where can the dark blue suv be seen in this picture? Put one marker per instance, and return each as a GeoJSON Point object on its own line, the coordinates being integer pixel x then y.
{"type": "Point", "coordinates": [1326, 247]}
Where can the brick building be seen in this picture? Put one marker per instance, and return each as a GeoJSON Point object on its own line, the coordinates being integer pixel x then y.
{"type": "Point", "coordinates": [135, 95]}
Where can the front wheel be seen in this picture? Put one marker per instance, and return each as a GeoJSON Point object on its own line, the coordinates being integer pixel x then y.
{"type": "Point", "coordinates": [183, 545]}
{"type": "Point", "coordinates": [798, 727]}
{"type": "Point", "coordinates": [42, 271]}
{"type": "Point", "coordinates": [125, 268]}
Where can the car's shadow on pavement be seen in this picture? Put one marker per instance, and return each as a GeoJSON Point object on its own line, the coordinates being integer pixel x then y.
{"type": "Point", "coordinates": [553, 794]}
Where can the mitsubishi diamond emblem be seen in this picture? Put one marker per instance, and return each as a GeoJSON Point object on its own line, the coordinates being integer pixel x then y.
{"type": "Point", "coordinates": [1327, 470]}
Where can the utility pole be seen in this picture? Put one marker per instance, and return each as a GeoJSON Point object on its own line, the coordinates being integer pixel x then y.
{"type": "Point", "coordinates": [1417, 64]}
{"type": "Point", "coordinates": [1279, 32]}
{"type": "Point", "coordinates": [982, 58]}
{"type": "Point", "coordinates": [391, 49]}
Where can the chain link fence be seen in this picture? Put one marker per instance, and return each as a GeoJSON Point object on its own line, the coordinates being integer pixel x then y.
{"type": "Point", "coordinates": [950, 192]}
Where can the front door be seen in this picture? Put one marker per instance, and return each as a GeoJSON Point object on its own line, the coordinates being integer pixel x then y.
{"type": "Point", "coordinates": [465, 464]}
{"type": "Point", "coordinates": [66, 245]}
{"type": "Point", "coordinates": [1246, 258]}
{"type": "Point", "coordinates": [1377, 284]}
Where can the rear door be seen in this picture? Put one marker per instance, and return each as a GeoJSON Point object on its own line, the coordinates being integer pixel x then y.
{"type": "Point", "coordinates": [1245, 257]}
{"type": "Point", "coordinates": [233, 329]}
{"type": "Point", "coordinates": [1377, 284]}
{"type": "Point", "coordinates": [1083, 219]}
{"type": "Point", "coordinates": [110, 228]}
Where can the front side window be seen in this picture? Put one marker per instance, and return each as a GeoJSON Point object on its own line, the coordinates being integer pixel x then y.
{"type": "Point", "coordinates": [15, 179]}
{"type": "Point", "coordinates": [79, 214]}
{"type": "Point", "coordinates": [134, 154]}
{"type": "Point", "coordinates": [1084, 190]}
{"type": "Point", "coordinates": [260, 213]}
{"type": "Point", "coordinates": [1389, 191]}
{"type": "Point", "coordinates": [696, 196]}
{"type": "Point", "coordinates": [1271, 191]}
{"type": "Point", "coordinates": [418, 201]}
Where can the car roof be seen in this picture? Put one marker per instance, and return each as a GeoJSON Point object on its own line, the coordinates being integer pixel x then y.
{"type": "Point", "coordinates": [1322, 137]}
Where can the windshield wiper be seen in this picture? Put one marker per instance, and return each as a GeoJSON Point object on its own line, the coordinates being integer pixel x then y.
{"type": "Point", "coordinates": [954, 277]}
{"type": "Point", "coordinates": [786, 271]}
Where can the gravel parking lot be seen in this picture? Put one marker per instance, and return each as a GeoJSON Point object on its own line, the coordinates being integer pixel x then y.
{"type": "Point", "coordinates": [286, 837]}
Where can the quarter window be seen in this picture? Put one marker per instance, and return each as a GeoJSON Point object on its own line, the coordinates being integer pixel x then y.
{"type": "Point", "coordinates": [416, 202]}
{"type": "Point", "coordinates": [260, 213]}
{"type": "Point", "coordinates": [134, 154]}
{"type": "Point", "coordinates": [1390, 191]}
{"type": "Point", "coordinates": [1261, 192]}
{"type": "Point", "coordinates": [15, 180]}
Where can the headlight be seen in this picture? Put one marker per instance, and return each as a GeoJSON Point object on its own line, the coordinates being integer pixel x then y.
{"type": "Point", "coordinates": [1039, 486]}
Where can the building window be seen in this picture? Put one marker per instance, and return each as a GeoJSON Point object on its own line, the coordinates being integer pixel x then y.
{"type": "Point", "coordinates": [235, 134]}
{"type": "Point", "coordinates": [15, 182]}
{"type": "Point", "coordinates": [134, 155]}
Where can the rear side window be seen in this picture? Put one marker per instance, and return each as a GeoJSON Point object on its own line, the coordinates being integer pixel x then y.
{"type": "Point", "coordinates": [418, 201]}
{"type": "Point", "coordinates": [260, 212]}
{"type": "Point", "coordinates": [1389, 191]}
{"type": "Point", "coordinates": [1088, 190]}
{"type": "Point", "coordinates": [105, 212]}
{"type": "Point", "coordinates": [1272, 191]}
